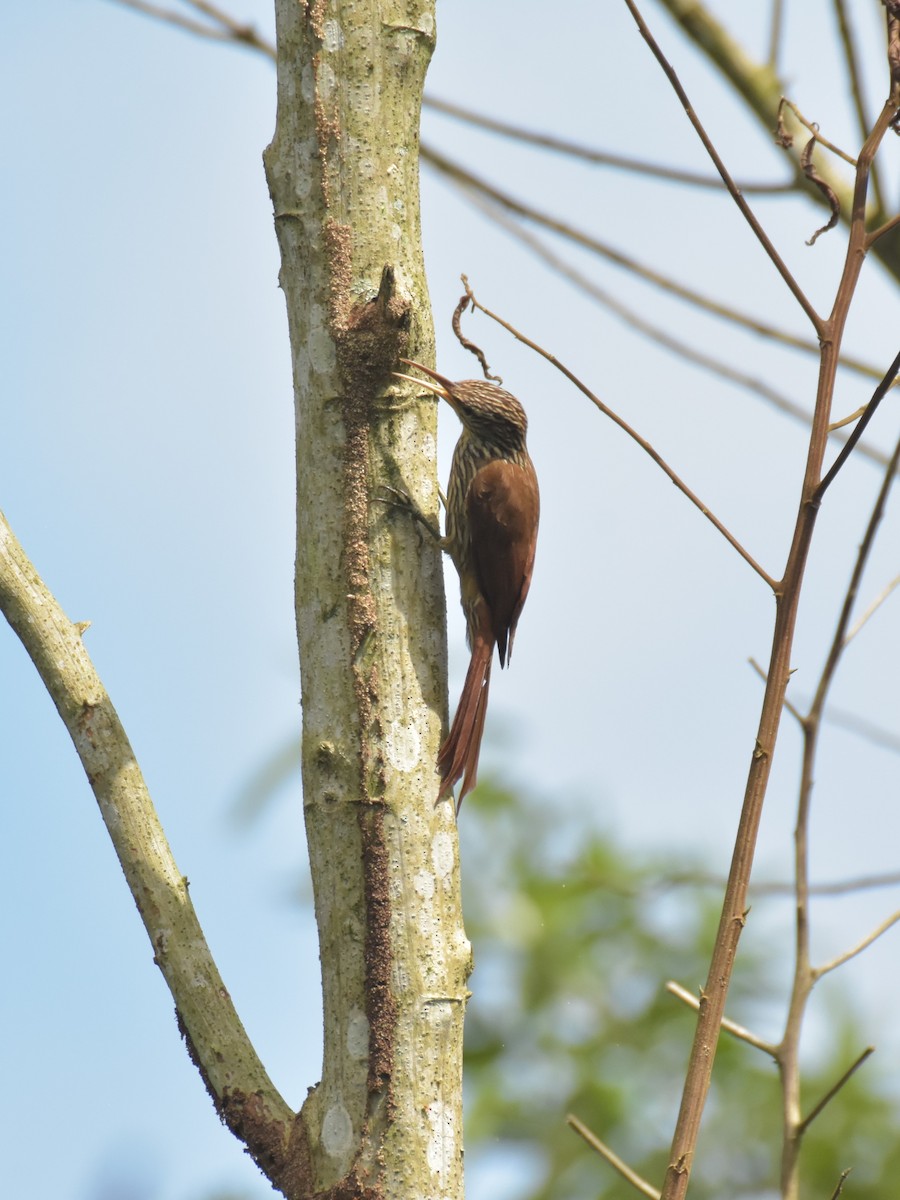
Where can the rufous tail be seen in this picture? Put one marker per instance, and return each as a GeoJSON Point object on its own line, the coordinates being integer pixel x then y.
{"type": "Point", "coordinates": [458, 757]}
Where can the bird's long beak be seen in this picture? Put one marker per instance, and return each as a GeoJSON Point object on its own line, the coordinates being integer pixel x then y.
{"type": "Point", "coordinates": [440, 385]}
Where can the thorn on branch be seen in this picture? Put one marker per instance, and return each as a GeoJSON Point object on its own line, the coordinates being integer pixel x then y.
{"type": "Point", "coordinates": [809, 170]}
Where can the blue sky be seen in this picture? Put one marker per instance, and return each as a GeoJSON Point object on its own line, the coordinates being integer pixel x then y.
{"type": "Point", "coordinates": [145, 464]}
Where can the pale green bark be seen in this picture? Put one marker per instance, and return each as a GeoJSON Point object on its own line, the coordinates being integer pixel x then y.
{"type": "Point", "coordinates": [242, 1090]}
{"type": "Point", "coordinates": [343, 172]}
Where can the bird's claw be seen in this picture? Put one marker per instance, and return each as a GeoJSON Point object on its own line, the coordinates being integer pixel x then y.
{"type": "Point", "coordinates": [397, 498]}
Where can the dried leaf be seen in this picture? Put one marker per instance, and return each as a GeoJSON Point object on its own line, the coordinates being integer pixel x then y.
{"type": "Point", "coordinates": [830, 195]}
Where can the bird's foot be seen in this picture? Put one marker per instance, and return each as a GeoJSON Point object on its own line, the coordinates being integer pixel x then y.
{"type": "Point", "coordinates": [396, 498]}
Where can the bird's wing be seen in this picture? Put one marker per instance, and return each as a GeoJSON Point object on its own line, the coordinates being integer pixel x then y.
{"type": "Point", "coordinates": [503, 508]}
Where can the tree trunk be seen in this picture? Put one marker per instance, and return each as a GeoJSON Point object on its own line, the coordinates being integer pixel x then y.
{"type": "Point", "coordinates": [343, 174]}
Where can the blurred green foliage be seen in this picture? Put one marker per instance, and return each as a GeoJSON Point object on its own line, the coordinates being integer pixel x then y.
{"type": "Point", "coordinates": [574, 942]}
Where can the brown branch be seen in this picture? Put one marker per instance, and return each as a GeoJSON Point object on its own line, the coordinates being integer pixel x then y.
{"type": "Point", "coordinates": [656, 333]}
{"type": "Point", "coordinates": [885, 594]}
{"type": "Point", "coordinates": [833, 1091]}
{"type": "Point", "coordinates": [225, 28]}
{"type": "Point", "coordinates": [789, 706]}
{"type": "Point", "coordinates": [734, 906]}
{"type": "Point", "coordinates": [632, 433]}
{"type": "Point", "coordinates": [621, 162]}
{"type": "Point", "coordinates": [813, 129]}
{"type": "Point", "coordinates": [877, 396]}
{"type": "Point", "coordinates": [854, 74]}
{"type": "Point", "coordinates": [887, 227]}
{"type": "Point", "coordinates": [762, 90]}
{"type": "Point", "coordinates": [631, 1176]}
{"type": "Point", "coordinates": [468, 180]}
{"type": "Point", "coordinates": [841, 887]}
{"type": "Point", "coordinates": [745, 209]}
{"type": "Point", "coordinates": [852, 722]}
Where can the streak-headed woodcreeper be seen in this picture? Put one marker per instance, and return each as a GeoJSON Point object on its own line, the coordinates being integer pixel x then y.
{"type": "Point", "coordinates": [493, 508]}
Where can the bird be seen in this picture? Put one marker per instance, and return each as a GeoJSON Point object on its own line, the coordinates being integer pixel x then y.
{"type": "Point", "coordinates": [492, 516]}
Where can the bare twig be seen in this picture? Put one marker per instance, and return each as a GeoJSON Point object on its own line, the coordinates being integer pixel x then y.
{"type": "Point", "coordinates": [877, 396]}
{"type": "Point", "coordinates": [854, 416]}
{"type": "Point", "coordinates": [853, 722]}
{"type": "Point", "coordinates": [224, 29]}
{"type": "Point", "coordinates": [815, 131]}
{"type": "Point", "coordinates": [734, 906]}
{"type": "Point", "coordinates": [632, 1177]}
{"type": "Point", "coordinates": [732, 1027]}
{"type": "Point", "coordinates": [888, 739]}
{"type": "Point", "coordinates": [791, 708]}
{"type": "Point", "coordinates": [840, 639]}
{"type": "Point", "coordinates": [867, 941]}
{"type": "Point", "coordinates": [878, 233]}
{"type": "Point", "coordinates": [873, 608]}
{"type": "Point", "coordinates": [746, 211]}
{"type": "Point", "coordinates": [598, 157]}
{"type": "Point", "coordinates": [839, 1187]}
{"type": "Point", "coordinates": [833, 1091]}
{"type": "Point", "coordinates": [854, 73]}
{"type": "Point", "coordinates": [775, 28]}
{"type": "Point", "coordinates": [468, 180]}
{"type": "Point", "coordinates": [660, 336]}
{"type": "Point", "coordinates": [632, 433]}
{"type": "Point", "coordinates": [840, 887]}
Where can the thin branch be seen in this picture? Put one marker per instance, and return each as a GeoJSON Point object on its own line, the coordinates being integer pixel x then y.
{"type": "Point", "coordinates": [599, 157]}
{"type": "Point", "coordinates": [868, 730]}
{"type": "Point", "coordinates": [876, 234]}
{"type": "Point", "coordinates": [732, 1027]}
{"type": "Point", "coordinates": [217, 1039]}
{"type": "Point", "coordinates": [851, 58]}
{"type": "Point", "coordinates": [747, 212]}
{"type": "Point", "coordinates": [854, 416]}
{"type": "Point", "coordinates": [762, 90]}
{"type": "Point", "coordinates": [886, 738]}
{"type": "Point", "coordinates": [841, 887]}
{"type": "Point", "coordinates": [468, 180]}
{"type": "Point", "coordinates": [775, 28]}
{"type": "Point", "coordinates": [839, 1186]}
{"type": "Point", "coordinates": [225, 29]}
{"type": "Point", "coordinates": [656, 333]}
{"type": "Point", "coordinates": [631, 1176]}
{"type": "Point", "coordinates": [877, 396]}
{"type": "Point", "coordinates": [867, 941]}
{"type": "Point", "coordinates": [632, 433]}
{"type": "Point", "coordinates": [839, 641]}
{"type": "Point", "coordinates": [815, 131]}
{"type": "Point", "coordinates": [791, 708]}
{"type": "Point", "coordinates": [833, 1091]}
{"type": "Point", "coordinates": [873, 608]}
